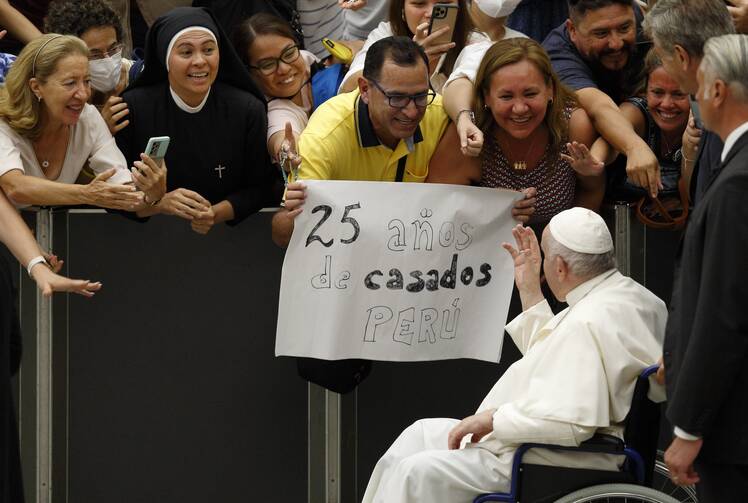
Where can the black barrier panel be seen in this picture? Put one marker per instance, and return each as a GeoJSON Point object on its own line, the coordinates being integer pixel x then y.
{"type": "Point", "coordinates": [173, 392]}
{"type": "Point", "coordinates": [175, 395]}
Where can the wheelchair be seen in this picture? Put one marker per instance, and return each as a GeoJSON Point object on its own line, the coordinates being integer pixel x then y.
{"type": "Point", "coordinates": [633, 483]}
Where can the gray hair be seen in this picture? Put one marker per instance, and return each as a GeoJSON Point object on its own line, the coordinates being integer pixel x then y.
{"type": "Point", "coordinates": [726, 59]}
{"type": "Point", "coordinates": [583, 265]}
{"type": "Point", "coordinates": [687, 23]}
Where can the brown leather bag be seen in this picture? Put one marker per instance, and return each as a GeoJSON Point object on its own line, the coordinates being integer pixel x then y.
{"type": "Point", "coordinates": [669, 213]}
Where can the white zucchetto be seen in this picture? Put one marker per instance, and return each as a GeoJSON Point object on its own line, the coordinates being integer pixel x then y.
{"type": "Point", "coordinates": [497, 8]}
{"type": "Point", "coordinates": [581, 230]}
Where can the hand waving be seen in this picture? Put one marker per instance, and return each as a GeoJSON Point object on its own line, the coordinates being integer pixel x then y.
{"type": "Point", "coordinates": [527, 264]}
{"type": "Point", "coordinates": [582, 161]}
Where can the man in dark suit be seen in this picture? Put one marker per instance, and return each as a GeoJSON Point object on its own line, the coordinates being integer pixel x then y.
{"type": "Point", "coordinates": [706, 341]}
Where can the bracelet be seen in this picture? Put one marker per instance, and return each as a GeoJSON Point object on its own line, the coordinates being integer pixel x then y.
{"type": "Point", "coordinates": [686, 158]}
{"type": "Point", "coordinates": [470, 113]}
{"type": "Point", "coordinates": [35, 261]}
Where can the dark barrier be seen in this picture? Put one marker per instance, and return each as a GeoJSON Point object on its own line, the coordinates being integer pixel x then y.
{"type": "Point", "coordinates": [164, 387]}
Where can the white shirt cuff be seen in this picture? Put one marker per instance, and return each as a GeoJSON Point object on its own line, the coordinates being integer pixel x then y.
{"type": "Point", "coordinates": [684, 434]}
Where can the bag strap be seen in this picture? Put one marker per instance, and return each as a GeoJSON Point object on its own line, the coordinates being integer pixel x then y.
{"type": "Point", "coordinates": [670, 222]}
{"type": "Point", "coordinates": [401, 169]}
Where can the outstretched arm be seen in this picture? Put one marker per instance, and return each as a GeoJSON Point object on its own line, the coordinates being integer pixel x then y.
{"type": "Point", "coordinates": [17, 24]}
{"type": "Point", "coordinates": [642, 167]}
{"type": "Point", "coordinates": [19, 240]}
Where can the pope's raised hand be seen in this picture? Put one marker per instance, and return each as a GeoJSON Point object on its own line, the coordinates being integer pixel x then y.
{"type": "Point", "coordinates": [527, 264]}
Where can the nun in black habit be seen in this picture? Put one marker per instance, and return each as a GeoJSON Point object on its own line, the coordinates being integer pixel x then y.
{"type": "Point", "coordinates": [195, 90]}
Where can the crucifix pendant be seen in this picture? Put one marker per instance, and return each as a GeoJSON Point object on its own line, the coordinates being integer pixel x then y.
{"type": "Point", "coordinates": [220, 171]}
{"type": "Point", "coordinates": [520, 165]}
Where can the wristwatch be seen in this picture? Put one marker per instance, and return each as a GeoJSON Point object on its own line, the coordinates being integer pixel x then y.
{"type": "Point", "coordinates": [470, 113]}
{"type": "Point", "coordinates": [35, 261]}
{"type": "Point", "coordinates": [151, 203]}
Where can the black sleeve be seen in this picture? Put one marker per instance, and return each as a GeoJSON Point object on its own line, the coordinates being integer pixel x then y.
{"type": "Point", "coordinates": [708, 163]}
{"type": "Point", "coordinates": [259, 187]}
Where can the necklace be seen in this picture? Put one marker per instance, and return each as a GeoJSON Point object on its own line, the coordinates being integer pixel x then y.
{"type": "Point", "coordinates": [668, 148]}
{"type": "Point", "coordinates": [44, 158]}
{"type": "Point", "coordinates": [521, 165]}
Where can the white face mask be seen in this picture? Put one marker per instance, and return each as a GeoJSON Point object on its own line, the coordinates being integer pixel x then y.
{"type": "Point", "coordinates": [105, 72]}
{"type": "Point", "coordinates": [497, 8]}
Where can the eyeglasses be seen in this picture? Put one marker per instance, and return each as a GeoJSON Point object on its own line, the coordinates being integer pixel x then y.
{"type": "Point", "coordinates": [421, 100]}
{"type": "Point", "coordinates": [95, 54]}
{"type": "Point", "coordinates": [270, 65]}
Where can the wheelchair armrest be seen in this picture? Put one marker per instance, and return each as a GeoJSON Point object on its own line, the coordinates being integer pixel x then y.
{"type": "Point", "coordinates": [601, 442]}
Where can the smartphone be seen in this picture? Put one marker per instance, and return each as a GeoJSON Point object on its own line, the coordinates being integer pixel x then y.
{"type": "Point", "coordinates": [443, 14]}
{"type": "Point", "coordinates": [156, 148]}
{"type": "Point", "coordinates": [696, 113]}
{"type": "Point", "coordinates": [339, 51]}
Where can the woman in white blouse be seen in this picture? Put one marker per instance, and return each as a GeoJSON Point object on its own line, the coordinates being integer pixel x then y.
{"type": "Point", "coordinates": [48, 133]}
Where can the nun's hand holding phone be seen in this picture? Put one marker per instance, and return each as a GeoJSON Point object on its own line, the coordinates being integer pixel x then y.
{"type": "Point", "coordinates": [150, 178]}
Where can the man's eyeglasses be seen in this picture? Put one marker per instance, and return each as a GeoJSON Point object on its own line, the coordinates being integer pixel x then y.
{"type": "Point", "coordinates": [421, 100]}
{"type": "Point", "coordinates": [270, 65]}
{"type": "Point", "coordinates": [95, 54]}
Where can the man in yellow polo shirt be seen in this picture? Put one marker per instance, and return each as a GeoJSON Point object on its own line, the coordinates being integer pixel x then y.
{"type": "Point", "coordinates": [391, 124]}
{"type": "Point", "coordinates": [387, 130]}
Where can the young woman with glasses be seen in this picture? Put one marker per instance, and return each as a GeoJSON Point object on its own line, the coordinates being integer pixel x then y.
{"type": "Point", "coordinates": [283, 73]}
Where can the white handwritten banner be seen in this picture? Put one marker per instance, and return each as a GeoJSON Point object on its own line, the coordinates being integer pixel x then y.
{"type": "Point", "coordinates": [397, 271]}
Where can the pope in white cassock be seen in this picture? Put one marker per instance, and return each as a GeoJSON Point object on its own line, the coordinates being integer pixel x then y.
{"type": "Point", "coordinates": [576, 376]}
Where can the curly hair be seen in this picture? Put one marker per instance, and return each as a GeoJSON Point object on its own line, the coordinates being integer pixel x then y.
{"type": "Point", "coordinates": [76, 17]}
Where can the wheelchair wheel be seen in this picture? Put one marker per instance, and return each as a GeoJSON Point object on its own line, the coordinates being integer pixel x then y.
{"type": "Point", "coordinates": [661, 481]}
{"type": "Point", "coordinates": [617, 493]}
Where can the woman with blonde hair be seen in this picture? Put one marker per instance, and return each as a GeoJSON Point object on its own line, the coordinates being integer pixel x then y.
{"type": "Point", "coordinates": [48, 133]}
{"type": "Point", "coordinates": [532, 123]}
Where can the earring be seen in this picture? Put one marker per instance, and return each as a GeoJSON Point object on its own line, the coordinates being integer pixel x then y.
{"type": "Point", "coordinates": [402, 13]}
{"type": "Point", "coordinates": [38, 98]}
